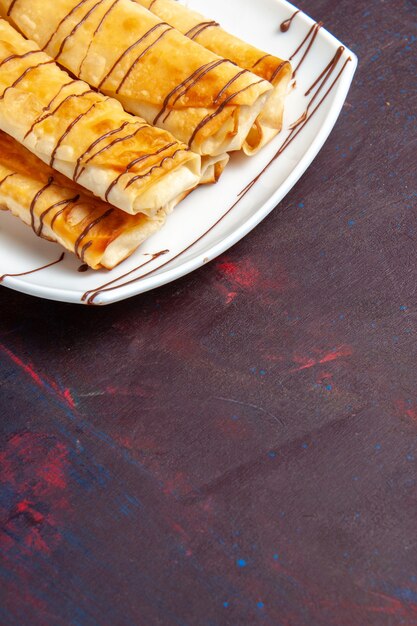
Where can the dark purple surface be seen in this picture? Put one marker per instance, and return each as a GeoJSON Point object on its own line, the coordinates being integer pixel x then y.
{"type": "Point", "coordinates": [239, 447]}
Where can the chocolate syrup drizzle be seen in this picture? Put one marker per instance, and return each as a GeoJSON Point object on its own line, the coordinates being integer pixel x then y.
{"type": "Point", "coordinates": [18, 56]}
{"type": "Point", "coordinates": [64, 203]}
{"type": "Point", "coordinates": [294, 131]}
{"type": "Point", "coordinates": [142, 54]}
{"type": "Point", "coordinates": [23, 76]}
{"type": "Point", "coordinates": [134, 179]}
{"type": "Point", "coordinates": [310, 38]}
{"type": "Point", "coordinates": [11, 7]}
{"type": "Point", "coordinates": [69, 129]}
{"type": "Point", "coordinates": [265, 56]}
{"type": "Point", "coordinates": [110, 133]}
{"type": "Point", "coordinates": [225, 102]}
{"type": "Point", "coordinates": [38, 269]}
{"type": "Point", "coordinates": [187, 83]}
{"type": "Point", "coordinates": [35, 199]}
{"type": "Point", "coordinates": [62, 22]}
{"type": "Point", "coordinates": [129, 49]}
{"type": "Point", "coordinates": [90, 295]}
{"type": "Point", "coordinates": [42, 118]}
{"type": "Point", "coordinates": [76, 27]}
{"type": "Point", "coordinates": [100, 24]}
{"type": "Point", "coordinates": [182, 88]}
{"type": "Point", "coordinates": [85, 232]}
{"type": "Point", "coordinates": [199, 28]}
{"type": "Point", "coordinates": [104, 149]}
{"type": "Point", "coordinates": [285, 26]}
{"type": "Point", "coordinates": [135, 162]}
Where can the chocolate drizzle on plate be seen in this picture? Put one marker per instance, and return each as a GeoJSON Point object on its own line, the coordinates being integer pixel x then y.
{"type": "Point", "coordinates": [285, 25]}
{"type": "Point", "coordinates": [309, 40]}
{"type": "Point", "coordinates": [38, 269]}
{"type": "Point", "coordinates": [90, 295]}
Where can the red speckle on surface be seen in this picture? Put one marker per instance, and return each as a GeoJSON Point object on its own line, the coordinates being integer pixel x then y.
{"type": "Point", "coordinates": [308, 362]}
{"type": "Point", "coordinates": [68, 397]}
{"type": "Point", "coordinates": [244, 276]}
{"type": "Point", "coordinates": [33, 467]}
{"type": "Point", "coordinates": [28, 509]}
{"type": "Point", "coordinates": [44, 383]}
{"type": "Point", "coordinates": [406, 408]}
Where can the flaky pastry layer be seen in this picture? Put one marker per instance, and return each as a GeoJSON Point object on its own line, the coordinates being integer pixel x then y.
{"type": "Point", "coordinates": [87, 136]}
{"type": "Point", "coordinates": [156, 72]}
{"type": "Point", "coordinates": [208, 33]}
{"type": "Point", "coordinates": [59, 210]}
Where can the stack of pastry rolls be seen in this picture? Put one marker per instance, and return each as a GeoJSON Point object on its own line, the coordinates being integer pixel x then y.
{"type": "Point", "coordinates": [112, 111]}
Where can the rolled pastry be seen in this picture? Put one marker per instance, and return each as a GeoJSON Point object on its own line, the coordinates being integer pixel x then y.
{"type": "Point", "coordinates": [88, 137]}
{"type": "Point", "coordinates": [59, 210]}
{"type": "Point", "coordinates": [127, 52]}
{"type": "Point", "coordinates": [209, 34]}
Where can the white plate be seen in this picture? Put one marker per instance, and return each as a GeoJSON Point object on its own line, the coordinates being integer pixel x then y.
{"type": "Point", "coordinates": [259, 23]}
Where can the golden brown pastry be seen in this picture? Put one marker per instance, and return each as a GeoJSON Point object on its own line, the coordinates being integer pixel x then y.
{"type": "Point", "coordinates": [87, 136]}
{"type": "Point", "coordinates": [208, 33]}
{"type": "Point", "coordinates": [59, 210]}
{"type": "Point", "coordinates": [127, 52]}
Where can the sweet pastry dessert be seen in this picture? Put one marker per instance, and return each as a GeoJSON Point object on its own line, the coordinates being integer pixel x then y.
{"type": "Point", "coordinates": [209, 34]}
{"type": "Point", "coordinates": [127, 52]}
{"type": "Point", "coordinates": [87, 136]}
{"type": "Point", "coordinates": [60, 210]}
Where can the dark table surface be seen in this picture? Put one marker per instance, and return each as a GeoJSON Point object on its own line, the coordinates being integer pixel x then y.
{"type": "Point", "coordinates": [239, 447]}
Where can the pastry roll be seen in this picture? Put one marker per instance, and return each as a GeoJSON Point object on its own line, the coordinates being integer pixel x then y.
{"type": "Point", "coordinates": [59, 210]}
{"type": "Point", "coordinates": [209, 34]}
{"type": "Point", "coordinates": [127, 52]}
{"type": "Point", "coordinates": [87, 136]}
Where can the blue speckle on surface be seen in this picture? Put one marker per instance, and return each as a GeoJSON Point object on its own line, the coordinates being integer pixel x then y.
{"type": "Point", "coordinates": [351, 223]}
{"type": "Point", "coordinates": [241, 563]}
{"type": "Point", "coordinates": [329, 387]}
{"type": "Point", "coordinates": [276, 557]}
{"type": "Point", "coordinates": [272, 454]}
{"type": "Point", "coordinates": [403, 307]}
{"type": "Point", "coordinates": [225, 604]}
{"type": "Point", "coordinates": [235, 417]}
{"type": "Point", "coordinates": [262, 372]}
{"type": "Point", "coordinates": [301, 205]}
{"type": "Point", "coordinates": [410, 457]}
{"type": "Point", "coordinates": [408, 595]}
{"type": "Point", "coordinates": [260, 605]}
{"type": "Point", "coordinates": [378, 446]}
{"type": "Point", "coordinates": [305, 445]}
